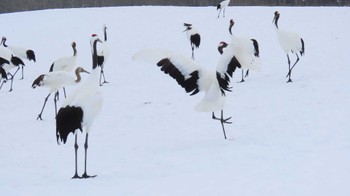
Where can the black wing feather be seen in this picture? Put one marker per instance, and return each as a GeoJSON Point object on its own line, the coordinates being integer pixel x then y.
{"type": "Point", "coordinates": [68, 120]}
{"type": "Point", "coordinates": [189, 84]}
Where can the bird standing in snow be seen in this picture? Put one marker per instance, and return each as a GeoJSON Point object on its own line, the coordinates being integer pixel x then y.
{"type": "Point", "coordinates": [80, 109]}
{"type": "Point", "coordinates": [194, 78]}
{"type": "Point", "coordinates": [65, 63]}
{"type": "Point", "coordinates": [222, 7]}
{"type": "Point", "coordinates": [290, 43]}
{"type": "Point", "coordinates": [9, 61]}
{"type": "Point", "coordinates": [20, 52]}
{"type": "Point", "coordinates": [251, 46]}
{"type": "Point", "coordinates": [54, 81]}
{"type": "Point", "coordinates": [103, 54]}
{"type": "Point", "coordinates": [193, 36]}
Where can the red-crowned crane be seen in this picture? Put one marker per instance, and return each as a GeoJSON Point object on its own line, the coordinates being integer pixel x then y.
{"type": "Point", "coordinates": [65, 63]}
{"type": "Point", "coordinates": [13, 61]}
{"type": "Point", "coordinates": [251, 46]}
{"type": "Point", "coordinates": [193, 36]}
{"type": "Point", "coordinates": [20, 52]}
{"type": "Point", "coordinates": [194, 78]}
{"type": "Point", "coordinates": [103, 54]}
{"type": "Point", "coordinates": [80, 109]}
{"type": "Point", "coordinates": [56, 80]}
{"type": "Point", "coordinates": [222, 7]}
{"type": "Point", "coordinates": [290, 43]}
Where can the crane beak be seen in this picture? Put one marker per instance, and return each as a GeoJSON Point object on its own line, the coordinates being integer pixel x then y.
{"type": "Point", "coordinates": [86, 71]}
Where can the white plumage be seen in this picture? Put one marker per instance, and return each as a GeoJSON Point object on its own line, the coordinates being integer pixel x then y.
{"type": "Point", "coordinates": [194, 78]}
{"type": "Point", "coordinates": [250, 46]}
{"type": "Point", "coordinates": [290, 42]}
{"type": "Point", "coordinates": [23, 53]}
{"type": "Point", "coordinates": [65, 63]}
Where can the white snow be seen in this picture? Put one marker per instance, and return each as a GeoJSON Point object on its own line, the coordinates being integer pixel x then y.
{"type": "Point", "coordinates": [286, 139]}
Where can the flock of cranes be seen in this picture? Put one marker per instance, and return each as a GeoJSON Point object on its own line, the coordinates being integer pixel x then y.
{"type": "Point", "coordinates": [82, 106]}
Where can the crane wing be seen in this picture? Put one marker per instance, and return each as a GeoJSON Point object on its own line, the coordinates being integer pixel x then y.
{"type": "Point", "coordinates": [234, 57]}
{"type": "Point", "coordinates": [181, 68]}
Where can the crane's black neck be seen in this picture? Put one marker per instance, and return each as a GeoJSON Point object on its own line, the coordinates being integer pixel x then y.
{"type": "Point", "coordinates": [105, 34]}
{"type": "Point", "coordinates": [276, 20]}
{"type": "Point", "coordinates": [94, 54]}
{"type": "Point", "coordinates": [3, 41]}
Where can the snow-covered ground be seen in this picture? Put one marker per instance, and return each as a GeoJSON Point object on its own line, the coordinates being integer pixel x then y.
{"type": "Point", "coordinates": [286, 139]}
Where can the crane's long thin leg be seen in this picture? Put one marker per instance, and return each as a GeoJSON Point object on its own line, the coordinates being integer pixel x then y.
{"type": "Point", "coordinates": [86, 147]}
{"type": "Point", "coordinates": [242, 76]}
{"type": "Point", "coordinates": [192, 52]}
{"type": "Point", "coordinates": [219, 13]}
{"type": "Point", "coordinates": [102, 74]}
{"type": "Point", "coordinates": [12, 77]}
{"type": "Point", "coordinates": [76, 157]}
{"type": "Point", "coordinates": [246, 73]}
{"type": "Point", "coordinates": [55, 101]}
{"type": "Point", "coordinates": [22, 72]}
{"type": "Point", "coordinates": [4, 81]}
{"type": "Point", "coordinates": [42, 109]}
{"type": "Point", "coordinates": [223, 121]}
{"type": "Point", "coordinates": [289, 70]}
{"type": "Point", "coordinates": [64, 91]}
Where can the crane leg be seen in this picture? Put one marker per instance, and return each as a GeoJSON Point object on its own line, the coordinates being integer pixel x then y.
{"type": "Point", "coordinates": [219, 13]}
{"type": "Point", "coordinates": [242, 76]}
{"type": "Point", "coordinates": [289, 70]}
{"type": "Point", "coordinates": [246, 73]}
{"type": "Point", "coordinates": [293, 65]}
{"type": "Point", "coordinates": [22, 72]}
{"type": "Point", "coordinates": [55, 99]}
{"type": "Point", "coordinates": [223, 121]}
{"type": "Point", "coordinates": [102, 74]}
{"type": "Point", "coordinates": [192, 52]}
{"type": "Point", "coordinates": [64, 91]}
{"type": "Point", "coordinates": [2, 83]}
{"type": "Point", "coordinates": [42, 109]}
{"type": "Point", "coordinates": [86, 147]}
{"type": "Point", "coordinates": [76, 157]}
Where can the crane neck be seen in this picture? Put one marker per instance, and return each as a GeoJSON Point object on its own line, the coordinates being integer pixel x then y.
{"type": "Point", "coordinates": [77, 73]}
{"type": "Point", "coordinates": [105, 34]}
{"type": "Point", "coordinates": [74, 51]}
{"type": "Point", "coordinates": [94, 54]}
{"type": "Point", "coordinates": [3, 42]}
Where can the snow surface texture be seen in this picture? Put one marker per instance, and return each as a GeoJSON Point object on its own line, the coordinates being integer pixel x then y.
{"type": "Point", "coordinates": [286, 139]}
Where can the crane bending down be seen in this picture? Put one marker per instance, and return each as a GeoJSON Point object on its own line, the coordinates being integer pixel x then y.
{"type": "Point", "coordinates": [193, 36]}
{"type": "Point", "coordinates": [80, 109]}
{"type": "Point", "coordinates": [9, 61]}
{"type": "Point", "coordinates": [222, 7]}
{"type": "Point", "coordinates": [290, 43]}
{"type": "Point", "coordinates": [20, 52]}
{"type": "Point", "coordinates": [196, 79]}
{"type": "Point", "coordinates": [54, 81]}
